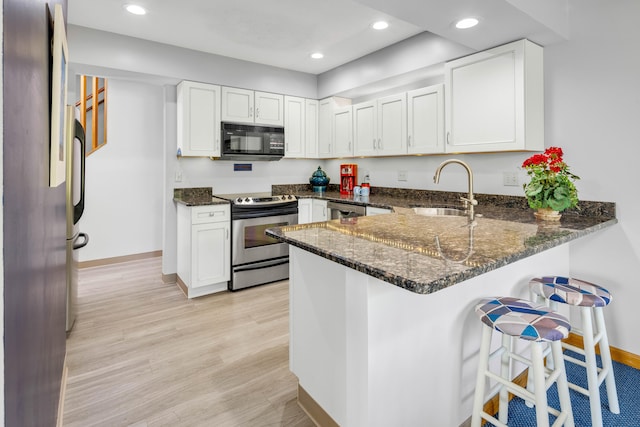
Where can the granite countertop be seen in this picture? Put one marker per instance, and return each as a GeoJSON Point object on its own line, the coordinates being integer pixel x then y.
{"type": "Point", "coordinates": [197, 197]}
{"type": "Point", "coordinates": [425, 254]}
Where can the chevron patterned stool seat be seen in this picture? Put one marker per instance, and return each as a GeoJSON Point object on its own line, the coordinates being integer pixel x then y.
{"type": "Point", "coordinates": [590, 300]}
{"type": "Point", "coordinates": [538, 325]}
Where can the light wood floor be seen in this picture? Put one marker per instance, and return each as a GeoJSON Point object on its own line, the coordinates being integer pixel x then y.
{"type": "Point", "coordinates": [141, 354]}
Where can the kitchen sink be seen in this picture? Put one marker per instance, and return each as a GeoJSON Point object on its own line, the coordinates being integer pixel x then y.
{"type": "Point", "coordinates": [439, 211]}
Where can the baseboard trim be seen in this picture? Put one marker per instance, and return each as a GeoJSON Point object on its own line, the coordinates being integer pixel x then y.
{"type": "Point", "coordinates": [119, 259]}
{"type": "Point", "coordinates": [183, 286]}
{"type": "Point", "coordinates": [169, 278]}
{"type": "Point", "coordinates": [313, 410]}
{"type": "Point", "coordinates": [63, 392]}
{"type": "Point", "coordinates": [617, 355]}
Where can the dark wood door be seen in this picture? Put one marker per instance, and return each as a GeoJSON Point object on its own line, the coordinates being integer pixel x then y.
{"type": "Point", "coordinates": [34, 223]}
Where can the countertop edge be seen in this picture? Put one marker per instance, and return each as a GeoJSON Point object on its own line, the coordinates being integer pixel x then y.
{"type": "Point", "coordinates": [448, 280]}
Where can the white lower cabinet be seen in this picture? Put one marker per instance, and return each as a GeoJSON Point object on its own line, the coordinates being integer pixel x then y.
{"type": "Point", "coordinates": [319, 210]}
{"type": "Point", "coordinates": [204, 249]}
{"type": "Point", "coordinates": [304, 211]}
{"type": "Point", "coordinates": [311, 210]}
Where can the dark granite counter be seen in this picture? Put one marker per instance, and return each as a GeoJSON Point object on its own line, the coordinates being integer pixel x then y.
{"type": "Point", "coordinates": [426, 254]}
{"type": "Point", "coordinates": [197, 197]}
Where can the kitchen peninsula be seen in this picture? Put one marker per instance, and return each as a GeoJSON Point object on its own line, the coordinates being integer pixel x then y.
{"type": "Point", "coordinates": [381, 308]}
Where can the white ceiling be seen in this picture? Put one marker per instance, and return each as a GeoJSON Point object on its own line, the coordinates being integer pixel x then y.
{"type": "Point", "coordinates": [283, 33]}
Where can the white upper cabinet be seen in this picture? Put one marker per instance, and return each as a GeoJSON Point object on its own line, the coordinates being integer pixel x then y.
{"type": "Point", "coordinates": [495, 100]}
{"type": "Point", "coordinates": [380, 126]}
{"type": "Point", "coordinates": [198, 120]}
{"type": "Point", "coordinates": [294, 126]}
{"type": "Point", "coordinates": [269, 109]}
{"type": "Point", "coordinates": [392, 125]}
{"type": "Point", "coordinates": [326, 121]}
{"type": "Point", "coordinates": [342, 132]}
{"type": "Point", "coordinates": [311, 128]}
{"type": "Point", "coordinates": [237, 105]}
{"type": "Point", "coordinates": [425, 120]}
{"type": "Point", "coordinates": [247, 106]}
{"type": "Point", "coordinates": [365, 128]}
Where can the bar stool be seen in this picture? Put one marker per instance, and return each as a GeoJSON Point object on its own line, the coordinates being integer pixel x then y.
{"type": "Point", "coordinates": [590, 298]}
{"type": "Point", "coordinates": [537, 324]}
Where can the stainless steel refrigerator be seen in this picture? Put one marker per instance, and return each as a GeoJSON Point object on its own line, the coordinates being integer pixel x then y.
{"type": "Point", "coordinates": [75, 156]}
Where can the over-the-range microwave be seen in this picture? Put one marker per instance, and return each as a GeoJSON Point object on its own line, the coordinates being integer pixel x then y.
{"type": "Point", "coordinates": [251, 142]}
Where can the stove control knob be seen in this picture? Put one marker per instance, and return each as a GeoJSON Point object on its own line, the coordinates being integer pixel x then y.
{"type": "Point", "coordinates": [289, 197]}
{"type": "Point", "coordinates": [247, 200]}
{"type": "Point", "coordinates": [239, 200]}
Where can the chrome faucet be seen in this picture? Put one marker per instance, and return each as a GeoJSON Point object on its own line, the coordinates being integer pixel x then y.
{"type": "Point", "coordinates": [469, 201]}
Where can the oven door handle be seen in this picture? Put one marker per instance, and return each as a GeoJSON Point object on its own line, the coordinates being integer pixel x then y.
{"type": "Point", "coordinates": [249, 213]}
{"type": "Point", "coordinates": [261, 265]}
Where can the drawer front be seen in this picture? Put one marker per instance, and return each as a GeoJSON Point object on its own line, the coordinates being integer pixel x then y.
{"type": "Point", "coordinates": [213, 213]}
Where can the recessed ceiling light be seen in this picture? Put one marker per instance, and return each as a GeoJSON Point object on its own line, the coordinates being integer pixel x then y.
{"type": "Point", "coordinates": [380, 25]}
{"type": "Point", "coordinates": [135, 9]}
{"type": "Point", "coordinates": [467, 23]}
{"type": "Point", "coordinates": [317, 55]}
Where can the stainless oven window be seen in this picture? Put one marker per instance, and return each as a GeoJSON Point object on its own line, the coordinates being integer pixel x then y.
{"type": "Point", "coordinates": [254, 235]}
{"type": "Point", "coordinates": [248, 234]}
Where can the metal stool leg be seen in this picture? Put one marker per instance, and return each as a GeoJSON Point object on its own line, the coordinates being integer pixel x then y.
{"type": "Point", "coordinates": [607, 364]}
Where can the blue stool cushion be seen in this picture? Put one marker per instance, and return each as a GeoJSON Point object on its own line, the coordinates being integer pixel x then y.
{"type": "Point", "coordinates": [523, 319]}
{"type": "Point", "coordinates": [570, 291]}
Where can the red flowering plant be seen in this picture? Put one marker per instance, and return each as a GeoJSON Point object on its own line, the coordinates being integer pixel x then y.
{"type": "Point", "coordinates": [551, 184]}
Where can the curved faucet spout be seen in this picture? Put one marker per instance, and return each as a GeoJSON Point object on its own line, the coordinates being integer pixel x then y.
{"type": "Point", "coordinates": [469, 201]}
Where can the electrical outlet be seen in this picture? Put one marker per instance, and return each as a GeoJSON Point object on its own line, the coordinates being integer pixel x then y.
{"type": "Point", "coordinates": [510, 179]}
{"type": "Point", "coordinates": [402, 175]}
{"type": "Point", "coordinates": [178, 176]}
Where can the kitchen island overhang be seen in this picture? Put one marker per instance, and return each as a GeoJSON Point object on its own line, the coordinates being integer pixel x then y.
{"type": "Point", "coordinates": [381, 315]}
{"type": "Point", "coordinates": [425, 254]}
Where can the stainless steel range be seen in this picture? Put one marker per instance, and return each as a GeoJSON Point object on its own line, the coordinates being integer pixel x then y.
{"type": "Point", "coordinates": [256, 258]}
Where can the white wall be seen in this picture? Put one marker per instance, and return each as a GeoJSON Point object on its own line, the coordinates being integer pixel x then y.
{"type": "Point", "coordinates": [416, 58]}
{"type": "Point", "coordinates": [487, 172]}
{"type": "Point", "coordinates": [113, 52]}
{"type": "Point", "coordinates": [593, 106]}
{"type": "Point", "coordinates": [124, 180]}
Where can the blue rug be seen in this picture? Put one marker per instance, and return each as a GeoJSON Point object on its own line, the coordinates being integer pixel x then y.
{"type": "Point", "coordinates": [627, 385]}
